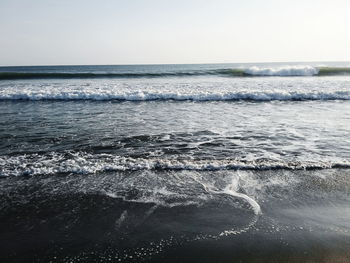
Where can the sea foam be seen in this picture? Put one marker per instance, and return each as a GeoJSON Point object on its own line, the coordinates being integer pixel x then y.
{"type": "Point", "coordinates": [282, 71]}
{"type": "Point", "coordinates": [87, 163]}
{"type": "Point", "coordinates": [176, 96]}
{"type": "Point", "coordinates": [194, 88]}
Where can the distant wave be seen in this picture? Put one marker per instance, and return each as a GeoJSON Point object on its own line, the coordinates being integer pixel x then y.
{"type": "Point", "coordinates": [176, 96]}
{"type": "Point", "coordinates": [80, 75]}
{"type": "Point", "coordinates": [87, 163]}
{"type": "Point", "coordinates": [233, 72]}
{"type": "Point", "coordinates": [282, 71]}
{"type": "Point", "coordinates": [297, 71]}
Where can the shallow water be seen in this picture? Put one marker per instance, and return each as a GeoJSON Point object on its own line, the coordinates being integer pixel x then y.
{"type": "Point", "coordinates": [175, 168]}
{"type": "Point", "coordinates": [177, 216]}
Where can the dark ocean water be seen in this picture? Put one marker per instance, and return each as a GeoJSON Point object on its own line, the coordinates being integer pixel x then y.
{"type": "Point", "coordinates": [175, 163]}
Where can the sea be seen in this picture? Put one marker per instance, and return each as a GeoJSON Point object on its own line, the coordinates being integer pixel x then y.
{"type": "Point", "coordinates": [175, 163]}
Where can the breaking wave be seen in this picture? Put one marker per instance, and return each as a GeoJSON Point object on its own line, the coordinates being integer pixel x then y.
{"type": "Point", "coordinates": [233, 72]}
{"type": "Point", "coordinates": [109, 95]}
{"type": "Point", "coordinates": [87, 163]}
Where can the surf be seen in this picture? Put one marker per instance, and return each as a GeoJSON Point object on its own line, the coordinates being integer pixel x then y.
{"type": "Point", "coordinates": [88, 163]}
{"type": "Point", "coordinates": [251, 71]}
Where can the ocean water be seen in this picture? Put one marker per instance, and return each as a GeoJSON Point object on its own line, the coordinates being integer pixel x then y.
{"type": "Point", "coordinates": [175, 163]}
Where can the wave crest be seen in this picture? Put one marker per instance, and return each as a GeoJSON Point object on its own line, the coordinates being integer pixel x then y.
{"type": "Point", "coordinates": [176, 96]}
{"type": "Point", "coordinates": [289, 70]}
{"type": "Point", "coordinates": [87, 163]}
{"type": "Point", "coordinates": [283, 71]}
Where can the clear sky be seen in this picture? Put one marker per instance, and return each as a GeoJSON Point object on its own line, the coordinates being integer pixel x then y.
{"type": "Point", "coordinates": [54, 32]}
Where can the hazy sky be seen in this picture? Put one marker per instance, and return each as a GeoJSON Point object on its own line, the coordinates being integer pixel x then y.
{"type": "Point", "coordinates": [46, 32]}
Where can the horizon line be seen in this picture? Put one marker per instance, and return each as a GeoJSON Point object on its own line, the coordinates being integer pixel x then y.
{"type": "Point", "coordinates": [167, 64]}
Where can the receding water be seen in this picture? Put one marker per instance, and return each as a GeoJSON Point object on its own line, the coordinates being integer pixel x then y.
{"type": "Point", "coordinates": [175, 164]}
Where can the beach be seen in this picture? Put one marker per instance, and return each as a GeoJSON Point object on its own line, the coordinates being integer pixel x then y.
{"type": "Point", "coordinates": [175, 163]}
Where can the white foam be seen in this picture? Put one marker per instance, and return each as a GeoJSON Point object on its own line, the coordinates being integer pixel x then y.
{"type": "Point", "coordinates": [148, 96]}
{"type": "Point", "coordinates": [282, 71]}
{"type": "Point", "coordinates": [232, 189]}
{"type": "Point", "coordinates": [225, 89]}
{"type": "Point", "coordinates": [87, 163]}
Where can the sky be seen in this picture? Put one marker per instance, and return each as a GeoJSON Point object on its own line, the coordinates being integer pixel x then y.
{"type": "Point", "coordinates": [79, 32]}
